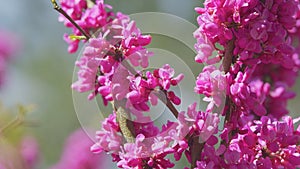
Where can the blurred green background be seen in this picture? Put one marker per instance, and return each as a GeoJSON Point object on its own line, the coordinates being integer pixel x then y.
{"type": "Point", "coordinates": [41, 73]}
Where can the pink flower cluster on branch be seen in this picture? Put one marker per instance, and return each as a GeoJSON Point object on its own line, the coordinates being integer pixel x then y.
{"type": "Point", "coordinates": [253, 40]}
{"type": "Point", "coordinates": [152, 145]}
{"type": "Point", "coordinates": [90, 19]}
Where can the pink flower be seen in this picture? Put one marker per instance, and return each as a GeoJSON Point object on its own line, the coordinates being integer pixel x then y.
{"type": "Point", "coordinates": [9, 44]}
{"type": "Point", "coordinates": [135, 155]}
{"type": "Point", "coordinates": [30, 152]}
{"type": "Point", "coordinates": [89, 19]}
{"type": "Point", "coordinates": [254, 38]}
{"type": "Point", "coordinates": [76, 154]}
{"type": "Point", "coordinates": [140, 89]}
{"type": "Point", "coordinates": [243, 97]}
{"type": "Point", "coordinates": [213, 84]}
{"type": "Point", "coordinates": [204, 49]}
{"type": "Point", "coordinates": [108, 138]}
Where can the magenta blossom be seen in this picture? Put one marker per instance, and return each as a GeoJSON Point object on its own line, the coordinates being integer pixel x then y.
{"type": "Point", "coordinates": [76, 154]}
{"type": "Point", "coordinates": [8, 47]}
{"type": "Point", "coordinates": [244, 124]}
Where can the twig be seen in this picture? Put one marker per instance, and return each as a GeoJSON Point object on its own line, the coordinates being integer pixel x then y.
{"type": "Point", "coordinates": [60, 10]}
{"type": "Point", "coordinates": [162, 95]}
{"type": "Point", "coordinates": [196, 150]}
{"type": "Point", "coordinates": [226, 65]}
{"type": "Point", "coordinates": [14, 123]}
{"type": "Point", "coordinates": [227, 60]}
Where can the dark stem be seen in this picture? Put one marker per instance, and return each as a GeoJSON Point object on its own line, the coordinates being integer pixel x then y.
{"type": "Point", "coordinates": [227, 109]}
{"type": "Point", "coordinates": [162, 95]}
{"type": "Point", "coordinates": [60, 10]}
{"type": "Point", "coordinates": [227, 60]}
{"type": "Point", "coordinates": [172, 108]}
{"type": "Point", "coordinates": [196, 150]}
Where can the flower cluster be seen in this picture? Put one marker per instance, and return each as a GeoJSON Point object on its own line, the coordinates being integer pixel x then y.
{"type": "Point", "coordinates": [90, 19]}
{"type": "Point", "coordinates": [105, 55]}
{"type": "Point", "coordinates": [144, 88]}
{"type": "Point", "coordinates": [211, 82]}
{"type": "Point", "coordinates": [253, 40]}
{"type": "Point", "coordinates": [152, 145]}
{"type": "Point", "coordinates": [259, 29]}
{"type": "Point", "coordinates": [105, 68]}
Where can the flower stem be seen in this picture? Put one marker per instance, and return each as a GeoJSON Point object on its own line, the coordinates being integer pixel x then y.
{"type": "Point", "coordinates": [227, 61]}
{"type": "Point", "coordinates": [15, 122]}
{"type": "Point", "coordinates": [228, 55]}
{"type": "Point", "coordinates": [196, 149]}
{"type": "Point", "coordinates": [11, 124]}
{"type": "Point", "coordinates": [162, 95]}
{"type": "Point", "coordinates": [60, 10]}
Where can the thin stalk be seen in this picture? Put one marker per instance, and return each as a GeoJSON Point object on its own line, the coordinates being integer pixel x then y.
{"type": "Point", "coordinates": [196, 150]}
{"type": "Point", "coordinates": [60, 10]}
{"type": "Point", "coordinates": [227, 60]}
{"type": "Point", "coordinates": [162, 96]}
{"type": "Point", "coordinates": [14, 123]}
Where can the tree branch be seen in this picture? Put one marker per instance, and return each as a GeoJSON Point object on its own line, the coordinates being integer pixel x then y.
{"type": "Point", "coordinates": [196, 150]}
{"type": "Point", "coordinates": [227, 60]}
{"type": "Point", "coordinates": [162, 95]}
